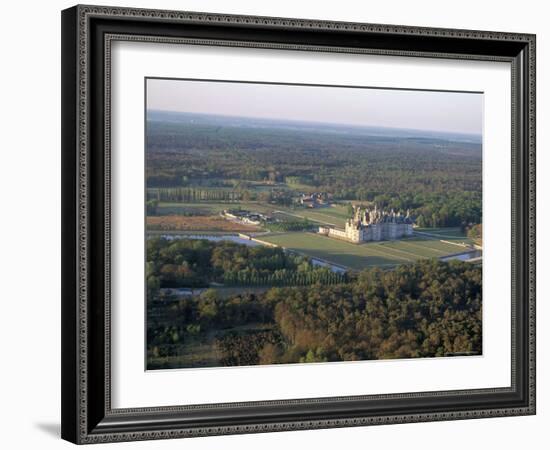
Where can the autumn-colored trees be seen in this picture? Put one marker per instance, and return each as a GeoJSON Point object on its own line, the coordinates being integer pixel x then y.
{"type": "Point", "coordinates": [475, 233]}
{"type": "Point", "coordinates": [426, 309]}
{"type": "Point", "coordinates": [436, 177]}
{"type": "Point", "coordinates": [199, 262]}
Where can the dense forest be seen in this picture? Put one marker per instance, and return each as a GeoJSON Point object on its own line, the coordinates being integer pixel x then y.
{"type": "Point", "coordinates": [437, 176]}
{"type": "Point", "coordinates": [199, 262]}
{"type": "Point", "coordinates": [426, 309]}
{"type": "Point", "coordinates": [213, 302]}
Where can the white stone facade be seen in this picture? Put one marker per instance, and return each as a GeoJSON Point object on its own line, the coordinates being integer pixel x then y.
{"type": "Point", "coordinates": [372, 225]}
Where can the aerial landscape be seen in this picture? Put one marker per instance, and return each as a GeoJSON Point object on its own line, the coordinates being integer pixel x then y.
{"type": "Point", "coordinates": [316, 232]}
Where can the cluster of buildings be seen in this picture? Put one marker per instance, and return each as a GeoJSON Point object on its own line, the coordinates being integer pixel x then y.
{"type": "Point", "coordinates": [372, 225]}
{"type": "Point", "coordinates": [246, 217]}
{"type": "Point", "coordinates": [315, 200]}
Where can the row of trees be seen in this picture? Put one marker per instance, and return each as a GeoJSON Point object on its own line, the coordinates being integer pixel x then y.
{"type": "Point", "coordinates": [195, 263]}
{"type": "Point", "coordinates": [426, 309]}
{"type": "Point", "coordinates": [200, 194]}
{"type": "Point", "coordinates": [436, 209]}
{"type": "Point", "coordinates": [290, 225]}
{"type": "Point", "coordinates": [194, 194]}
{"type": "Point", "coordinates": [422, 310]}
{"type": "Point", "coordinates": [440, 179]}
{"type": "Point", "coordinates": [282, 277]}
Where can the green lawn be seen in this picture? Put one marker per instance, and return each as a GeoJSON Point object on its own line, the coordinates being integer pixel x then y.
{"type": "Point", "coordinates": [332, 215]}
{"type": "Point", "coordinates": [453, 234]}
{"type": "Point", "coordinates": [423, 248]}
{"type": "Point", "coordinates": [426, 242]}
{"type": "Point", "coordinates": [360, 256]}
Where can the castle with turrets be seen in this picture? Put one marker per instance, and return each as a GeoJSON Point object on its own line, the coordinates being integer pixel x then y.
{"type": "Point", "coordinates": [372, 225]}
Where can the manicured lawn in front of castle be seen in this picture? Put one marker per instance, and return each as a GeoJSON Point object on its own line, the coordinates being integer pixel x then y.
{"type": "Point", "coordinates": [450, 234]}
{"type": "Point", "coordinates": [360, 256]}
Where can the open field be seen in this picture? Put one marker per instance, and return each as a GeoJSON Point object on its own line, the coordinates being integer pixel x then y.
{"type": "Point", "coordinates": [300, 187]}
{"type": "Point", "coordinates": [385, 254]}
{"type": "Point", "coordinates": [426, 242]}
{"type": "Point", "coordinates": [211, 208]}
{"type": "Point", "coordinates": [423, 248]}
{"type": "Point", "coordinates": [450, 232]}
{"type": "Point", "coordinates": [220, 292]}
{"type": "Point", "coordinates": [332, 215]}
{"type": "Point", "coordinates": [202, 208]}
{"type": "Point", "coordinates": [196, 223]}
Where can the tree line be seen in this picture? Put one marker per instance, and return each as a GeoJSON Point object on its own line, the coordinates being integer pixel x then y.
{"type": "Point", "coordinates": [438, 179]}
{"type": "Point", "coordinates": [426, 309]}
{"type": "Point", "coordinates": [194, 263]}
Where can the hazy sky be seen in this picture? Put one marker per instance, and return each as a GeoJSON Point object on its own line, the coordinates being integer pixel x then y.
{"type": "Point", "coordinates": [422, 110]}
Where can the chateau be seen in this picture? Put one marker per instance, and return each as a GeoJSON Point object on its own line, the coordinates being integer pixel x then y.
{"type": "Point", "coordinates": [372, 225]}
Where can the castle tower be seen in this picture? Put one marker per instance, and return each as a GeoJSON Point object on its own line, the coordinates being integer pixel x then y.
{"type": "Point", "coordinates": [366, 224]}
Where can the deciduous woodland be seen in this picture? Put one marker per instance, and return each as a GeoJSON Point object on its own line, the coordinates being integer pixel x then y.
{"type": "Point", "coordinates": [194, 157]}
{"type": "Point", "coordinates": [426, 309]}
{"type": "Point", "coordinates": [239, 273]}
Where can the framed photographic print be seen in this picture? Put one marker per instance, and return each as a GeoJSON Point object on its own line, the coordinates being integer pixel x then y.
{"type": "Point", "coordinates": [281, 224]}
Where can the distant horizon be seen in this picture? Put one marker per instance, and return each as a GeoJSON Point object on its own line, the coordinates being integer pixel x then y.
{"type": "Point", "coordinates": [397, 108]}
{"type": "Point", "coordinates": [313, 122]}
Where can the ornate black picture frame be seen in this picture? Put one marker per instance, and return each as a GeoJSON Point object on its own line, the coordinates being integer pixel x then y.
{"type": "Point", "coordinates": [87, 34]}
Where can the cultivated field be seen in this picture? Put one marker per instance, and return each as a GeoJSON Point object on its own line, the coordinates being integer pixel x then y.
{"type": "Point", "coordinates": [205, 217]}
{"type": "Point", "coordinates": [196, 223]}
{"type": "Point", "coordinates": [210, 208]}
{"type": "Point", "coordinates": [332, 215]}
{"type": "Point", "coordinates": [386, 253]}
